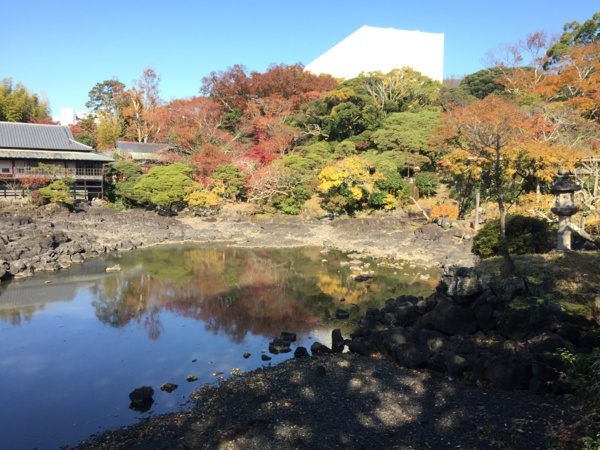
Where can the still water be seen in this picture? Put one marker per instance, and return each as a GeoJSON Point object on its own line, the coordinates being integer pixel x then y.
{"type": "Point", "coordinates": [74, 344]}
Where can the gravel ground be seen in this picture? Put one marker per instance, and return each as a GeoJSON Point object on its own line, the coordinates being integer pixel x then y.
{"type": "Point", "coordinates": [349, 401]}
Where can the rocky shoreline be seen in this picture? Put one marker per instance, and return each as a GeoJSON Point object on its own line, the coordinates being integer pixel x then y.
{"type": "Point", "coordinates": [53, 238]}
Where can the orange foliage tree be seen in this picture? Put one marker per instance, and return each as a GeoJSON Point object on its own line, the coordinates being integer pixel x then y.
{"type": "Point", "coordinates": [142, 102]}
{"type": "Point", "coordinates": [499, 144]}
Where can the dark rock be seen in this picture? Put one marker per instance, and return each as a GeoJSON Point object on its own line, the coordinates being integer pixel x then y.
{"type": "Point", "coordinates": [362, 346]}
{"type": "Point", "coordinates": [141, 394]}
{"type": "Point", "coordinates": [429, 232]}
{"type": "Point", "coordinates": [386, 341]}
{"type": "Point", "coordinates": [191, 378]}
{"type": "Point", "coordinates": [342, 314]}
{"type": "Point", "coordinates": [450, 318]}
{"type": "Point", "coordinates": [268, 358]}
{"type": "Point", "coordinates": [406, 315]}
{"type": "Point", "coordinates": [546, 370]}
{"type": "Point", "coordinates": [279, 346]}
{"type": "Point", "coordinates": [337, 341]}
{"type": "Point", "coordinates": [362, 278]}
{"type": "Point", "coordinates": [320, 371]}
{"type": "Point", "coordinates": [301, 352]}
{"type": "Point", "coordinates": [508, 287]}
{"type": "Point", "coordinates": [509, 374]}
{"type": "Point", "coordinates": [545, 343]}
{"type": "Point", "coordinates": [455, 364]}
{"type": "Point", "coordinates": [434, 340]}
{"type": "Point", "coordinates": [319, 349]}
{"type": "Point", "coordinates": [521, 319]}
{"type": "Point", "coordinates": [168, 387]}
{"type": "Point", "coordinates": [411, 355]}
{"type": "Point", "coordinates": [569, 332]}
{"type": "Point", "coordinates": [465, 283]}
{"type": "Point", "coordinates": [589, 339]}
{"type": "Point", "coordinates": [484, 315]}
{"type": "Point", "coordinates": [247, 355]}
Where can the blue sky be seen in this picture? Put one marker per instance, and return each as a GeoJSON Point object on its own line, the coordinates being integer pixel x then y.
{"type": "Point", "coordinates": [62, 49]}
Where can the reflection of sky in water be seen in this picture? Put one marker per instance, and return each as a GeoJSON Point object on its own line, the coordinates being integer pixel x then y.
{"type": "Point", "coordinates": [66, 374]}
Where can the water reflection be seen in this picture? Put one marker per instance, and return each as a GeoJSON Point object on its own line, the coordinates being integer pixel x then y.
{"type": "Point", "coordinates": [90, 337]}
{"type": "Point", "coordinates": [237, 292]}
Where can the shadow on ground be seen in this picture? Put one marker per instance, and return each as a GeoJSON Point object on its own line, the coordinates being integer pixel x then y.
{"type": "Point", "coordinates": [351, 402]}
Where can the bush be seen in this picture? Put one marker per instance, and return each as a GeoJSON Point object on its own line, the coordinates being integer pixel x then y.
{"type": "Point", "coordinates": [524, 235]}
{"type": "Point", "coordinates": [58, 192]}
{"type": "Point", "coordinates": [447, 211]}
{"type": "Point", "coordinates": [427, 182]}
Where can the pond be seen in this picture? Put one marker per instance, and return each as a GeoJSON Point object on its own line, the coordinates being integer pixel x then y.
{"type": "Point", "coordinates": [74, 344]}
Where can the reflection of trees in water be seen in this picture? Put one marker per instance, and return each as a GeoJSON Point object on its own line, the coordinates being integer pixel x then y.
{"type": "Point", "coordinates": [260, 309]}
{"type": "Point", "coordinates": [121, 299]}
{"type": "Point", "coordinates": [233, 291]}
{"type": "Point", "coordinates": [17, 316]}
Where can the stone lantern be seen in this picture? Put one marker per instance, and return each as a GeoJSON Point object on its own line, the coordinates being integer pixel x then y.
{"type": "Point", "coordinates": [564, 191]}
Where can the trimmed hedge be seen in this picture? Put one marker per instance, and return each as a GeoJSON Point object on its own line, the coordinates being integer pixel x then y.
{"type": "Point", "coordinates": [524, 235]}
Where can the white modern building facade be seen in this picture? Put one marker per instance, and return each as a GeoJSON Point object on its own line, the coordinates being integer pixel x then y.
{"type": "Point", "coordinates": [371, 49]}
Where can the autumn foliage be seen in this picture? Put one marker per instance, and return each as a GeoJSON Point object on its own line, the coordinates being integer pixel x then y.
{"type": "Point", "coordinates": [283, 136]}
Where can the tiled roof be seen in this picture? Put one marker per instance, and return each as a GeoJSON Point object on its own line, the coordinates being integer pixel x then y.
{"type": "Point", "coordinates": [140, 147]}
{"type": "Point", "coordinates": [38, 137]}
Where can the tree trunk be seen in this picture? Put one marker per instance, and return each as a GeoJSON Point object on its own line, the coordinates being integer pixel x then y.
{"type": "Point", "coordinates": [509, 264]}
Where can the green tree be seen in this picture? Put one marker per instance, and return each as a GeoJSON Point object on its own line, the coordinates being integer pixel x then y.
{"type": "Point", "coordinates": [58, 191]}
{"type": "Point", "coordinates": [86, 138]}
{"type": "Point", "coordinates": [106, 96]}
{"type": "Point", "coordinates": [427, 183]}
{"type": "Point", "coordinates": [232, 178]}
{"type": "Point", "coordinates": [342, 113]}
{"type": "Point", "coordinates": [574, 33]}
{"type": "Point", "coordinates": [483, 83]}
{"type": "Point", "coordinates": [18, 104]}
{"type": "Point", "coordinates": [407, 131]}
{"type": "Point", "coordinates": [400, 89]}
{"type": "Point", "coordinates": [109, 130]}
{"type": "Point", "coordinates": [123, 177]}
{"type": "Point", "coordinates": [454, 96]}
{"type": "Point", "coordinates": [164, 186]}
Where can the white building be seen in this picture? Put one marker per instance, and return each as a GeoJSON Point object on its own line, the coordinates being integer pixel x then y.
{"type": "Point", "coordinates": [68, 116]}
{"type": "Point", "coordinates": [371, 49]}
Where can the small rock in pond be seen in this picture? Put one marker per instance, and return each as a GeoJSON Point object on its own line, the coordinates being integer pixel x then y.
{"type": "Point", "coordinates": [194, 360]}
{"type": "Point", "coordinates": [141, 399]}
{"type": "Point", "coordinates": [246, 355]}
{"type": "Point", "coordinates": [279, 346]}
{"type": "Point", "coordinates": [265, 357]}
{"type": "Point", "coordinates": [216, 374]}
{"type": "Point", "coordinates": [191, 378]}
{"type": "Point", "coordinates": [168, 387]}
{"type": "Point", "coordinates": [115, 268]}
{"type": "Point", "coordinates": [141, 395]}
{"type": "Point", "coordinates": [301, 352]}
{"type": "Point", "coordinates": [342, 314]}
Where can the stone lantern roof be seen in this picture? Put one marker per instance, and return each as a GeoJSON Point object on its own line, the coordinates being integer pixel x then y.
{"type": "Point", "coordinates": [564, 184]}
